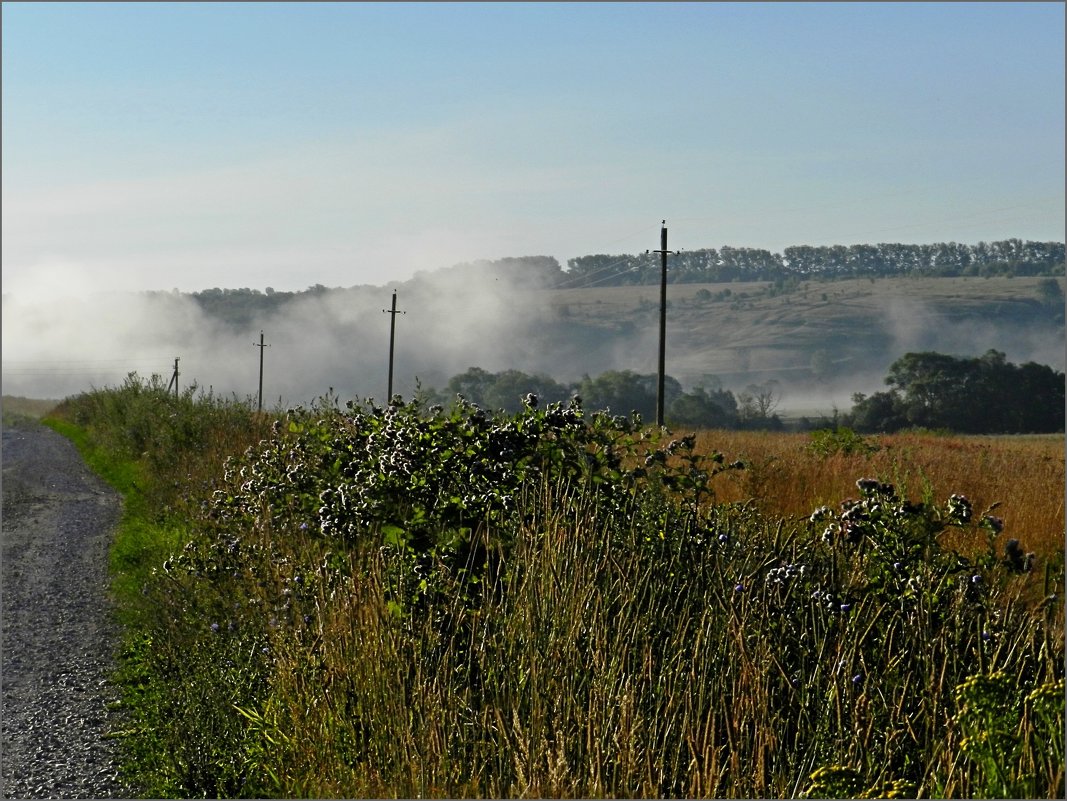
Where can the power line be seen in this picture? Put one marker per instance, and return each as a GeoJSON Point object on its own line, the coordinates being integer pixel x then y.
{"type": "Point", "coordinates": [585, 283]}
{"type": "Point", "coordinates": [59, 364]}
{"type": "Point", "coordinates": [62, 371]}
{"type": "Point", "coordinates": [65, 366]}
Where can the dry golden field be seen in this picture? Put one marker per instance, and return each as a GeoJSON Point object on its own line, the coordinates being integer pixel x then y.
{"type": "Point", "coordinates": [15, 407]}
{"type": "Point", "coordinates": [1024, 474]}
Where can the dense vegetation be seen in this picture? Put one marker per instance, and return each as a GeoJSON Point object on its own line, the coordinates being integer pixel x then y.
{"type": "Point", "coordinates": [621, 391]}
{"type": "Point", "coordinates": [986, 395]}
{"type": "Point", "coordinates": [975, 396]}
{"type": "Point", "coordinates": [419, 601]}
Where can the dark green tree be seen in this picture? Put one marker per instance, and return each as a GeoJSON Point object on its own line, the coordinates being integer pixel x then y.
{"type": "Point", "coordinates": [1034, 399]}
{"type": "Point", "coordinates": [703, 409]}
{"type": "Point", "coordinates": [474, 385]}
{"type": "Point", "coordinates": [983, 395]}
{"type": "Point", "coordinates": [880, 413]}
{"type": "Point", "coordinates": [624, 391]}
{"type": "Point", "coordinates": [509, 388]}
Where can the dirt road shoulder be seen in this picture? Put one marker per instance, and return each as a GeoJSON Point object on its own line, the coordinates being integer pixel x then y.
{"type": "Point", "coordinates": [58, 636]}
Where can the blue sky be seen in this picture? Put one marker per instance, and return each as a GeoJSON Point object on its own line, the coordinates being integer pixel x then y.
{"type": "Point", "coordinates": [151, 146]}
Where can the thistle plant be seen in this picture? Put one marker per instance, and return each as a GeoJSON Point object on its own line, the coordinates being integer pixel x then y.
{"type": "Point", "coordinates": [425, 481]}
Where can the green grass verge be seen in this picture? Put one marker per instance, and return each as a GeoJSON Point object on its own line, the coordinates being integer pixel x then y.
{"type": "Point", "coordinates": [143, 540]}
{"type": "Point", "coordinates": [122, 474]}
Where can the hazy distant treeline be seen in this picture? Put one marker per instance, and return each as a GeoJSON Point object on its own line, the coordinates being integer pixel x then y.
{"type": "Point", "coordinates": [1013, 257]}
{"type": "Point", "coordinates": [708, 265]}
{"type": "Point", "coordinates": [984, 395]}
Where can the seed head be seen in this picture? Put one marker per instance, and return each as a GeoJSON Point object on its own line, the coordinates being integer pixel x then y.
{"type": "Point", "coordinates": [994, 524]}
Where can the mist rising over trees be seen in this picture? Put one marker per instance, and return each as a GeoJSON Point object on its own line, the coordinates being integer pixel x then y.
{"type": "Point", "coordinates": [1009, 257]}
{"type": "Point", "coordinates": [984, 395]}
{"type": "Point", "coordinates": [824, 336]}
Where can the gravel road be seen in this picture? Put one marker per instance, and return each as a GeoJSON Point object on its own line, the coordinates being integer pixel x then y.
{"type": "Point", "coordinates": [58, 637]}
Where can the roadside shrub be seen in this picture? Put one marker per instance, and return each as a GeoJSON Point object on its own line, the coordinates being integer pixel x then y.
{"type": "Point", "coordinates": [428, 483]}
{"type": "Point", "coordinates": [506, 601]}
{"type": "Point", "coordinates": [418, 602]}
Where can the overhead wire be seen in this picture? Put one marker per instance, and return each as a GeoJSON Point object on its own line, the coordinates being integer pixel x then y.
{"type": "Point", "coordinates": [584, 281]}
{"type": "Point", "coordinates": [79, 366]}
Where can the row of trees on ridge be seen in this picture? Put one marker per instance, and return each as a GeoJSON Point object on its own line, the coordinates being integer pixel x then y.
{"type": "Point", "coordinates": [708, 265]}
{"type": "Point", "coordinates": [1010, 257]}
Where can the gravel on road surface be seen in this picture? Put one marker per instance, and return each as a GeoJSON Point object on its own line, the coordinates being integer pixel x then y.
{"type": "Point", "coordinates": [59, 637]}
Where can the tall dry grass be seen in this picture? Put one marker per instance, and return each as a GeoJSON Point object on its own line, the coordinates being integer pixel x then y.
{"type": "Point", "coordinates": [599, 663]}
{"type": "Point", "coordinates": [1023, 474]}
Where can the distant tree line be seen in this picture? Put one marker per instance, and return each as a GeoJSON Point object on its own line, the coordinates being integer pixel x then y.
{"type": "Point", "coordinates": [622, 392]}
{"type": "Point", "coordinates": [1010, 257]}
{"type": "Point", "coordinates": [1013, 257]}
{"type": "Point", "coordinates": [984, 395]}
{"type": "Point", "coordinates": [240, 307]}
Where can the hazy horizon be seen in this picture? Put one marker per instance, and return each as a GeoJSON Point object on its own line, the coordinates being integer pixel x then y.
{"type": "Point", "coordinates": [170, 145]}
{"type": "Point", "coordinates": [148, 147]}
{"type": "Point", "coordinates": [69, 342]}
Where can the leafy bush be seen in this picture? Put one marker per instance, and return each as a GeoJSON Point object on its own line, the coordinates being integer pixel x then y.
{"type": "Point", "coordinates": [829, 441]}
{"type": "Point", "coordinates": [427, 484]}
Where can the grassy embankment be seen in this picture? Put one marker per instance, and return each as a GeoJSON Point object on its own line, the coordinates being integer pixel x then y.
{"type": "Point", "coordinates": [395, 603]}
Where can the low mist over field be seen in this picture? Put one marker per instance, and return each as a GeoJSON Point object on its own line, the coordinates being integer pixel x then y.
{"type": "Point", "coordinates": [56, 344]}
{"type": "Point", "coordinates": [821, 341]}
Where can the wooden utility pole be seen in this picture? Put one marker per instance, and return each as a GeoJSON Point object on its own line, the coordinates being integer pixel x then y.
{"type": "Point", "coordinates": [174, 379]}
{"type": "Point", "coordinates": [392, 338]}
{"type": "Point", "coordinates": [662, 322]}
{"type": "Point", "coordinates": [261, 346]}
